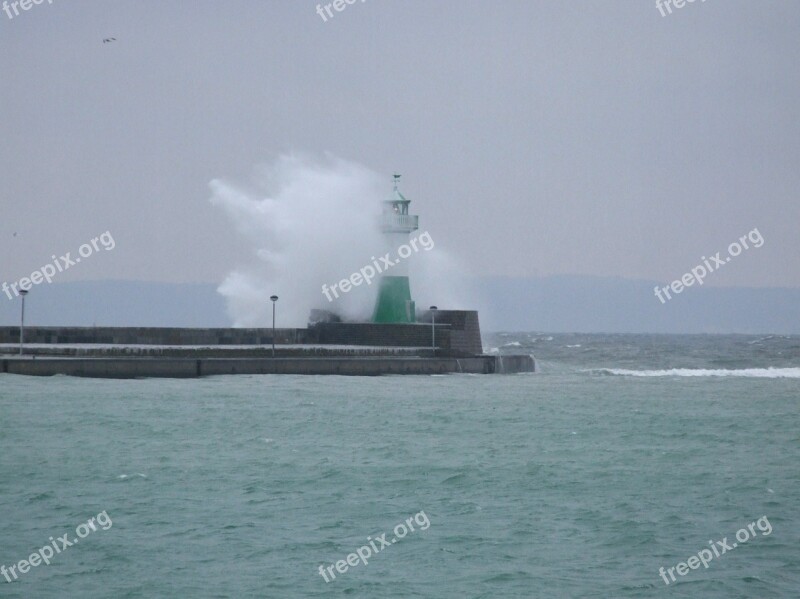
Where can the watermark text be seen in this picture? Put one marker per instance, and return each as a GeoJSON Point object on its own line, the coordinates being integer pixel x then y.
{"type": "Point", "coordinates": [364, 553]}
{"type": "Point", "coordinates": [48, 271]}
{"type": "Point", "coordinates": [46, 553]}
{"type": "Point", "coordinates": [701, 271]}
{"type": "Point", "coordinates": [23, 4]}
{"type": "Point", "coordinates": [704, 556]}
{"type": "Point", "coordinates": [665, 6]}
{"type": "Point", "coordinates": [378, 266]}
{"type": "Point", "coordinates": [337, 5]}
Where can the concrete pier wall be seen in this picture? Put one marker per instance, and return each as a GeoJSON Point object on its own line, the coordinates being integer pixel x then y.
{"type": "Point", "coordinates": [323, 348]}
{"type": "Point", "coordinates": [259, 351]}
{"type": "Point", "coordinates": [153, 336]}
{"type": "Point", "coordinates": [124, 368]}
{"type": "Point", "coordinates": [395, 335]}
{"type": "Point", "coordinates": [457, 332]}
{"type": "Point", "coordinates": [464, 335]}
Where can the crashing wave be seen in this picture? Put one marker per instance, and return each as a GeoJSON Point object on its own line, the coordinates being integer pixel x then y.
{"type": "Point", "coordinates": [766, 373]}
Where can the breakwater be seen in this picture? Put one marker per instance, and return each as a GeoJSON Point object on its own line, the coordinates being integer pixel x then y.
{"type": "Point", "coordinates": [457, 332]}
{"type": "Point", "coordinates": [344, 348]}
{"type": "Point", "coordinates": [169, 367]}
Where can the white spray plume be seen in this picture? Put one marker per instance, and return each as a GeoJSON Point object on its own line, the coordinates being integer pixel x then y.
{"type": "Point", "coordinates": [311, 222]}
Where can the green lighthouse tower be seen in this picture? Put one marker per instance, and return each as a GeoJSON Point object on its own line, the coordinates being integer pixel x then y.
{"type": "Point", "coordinates": [394, 303]}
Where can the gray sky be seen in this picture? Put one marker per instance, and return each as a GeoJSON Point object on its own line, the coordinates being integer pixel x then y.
{"type": "Point", "coordinates": [534, 137]}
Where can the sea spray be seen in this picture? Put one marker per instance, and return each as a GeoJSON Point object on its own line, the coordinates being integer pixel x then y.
{"type": "Point", "coordinates": [306, 221]}
{"type": "Point", "coordinates": [311, 221]}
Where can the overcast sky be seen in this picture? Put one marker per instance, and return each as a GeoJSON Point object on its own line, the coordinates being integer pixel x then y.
{"type": "Point", "coordinates": [534, 137]}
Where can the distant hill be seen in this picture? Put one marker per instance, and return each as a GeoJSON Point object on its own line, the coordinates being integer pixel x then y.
{"type": "Point", "coordinates": [613, 305]}
{"type": "Point", "coordinates": [119, 303]}
{"type": "Point", "coordinates": [549, 304]}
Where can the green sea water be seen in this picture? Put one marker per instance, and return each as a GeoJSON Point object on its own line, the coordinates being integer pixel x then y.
{"type": "Point", "coordinates": [623, 455]}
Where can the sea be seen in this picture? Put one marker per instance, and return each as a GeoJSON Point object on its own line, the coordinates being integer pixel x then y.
{"type": "Point", "coordinates": [626, 466]}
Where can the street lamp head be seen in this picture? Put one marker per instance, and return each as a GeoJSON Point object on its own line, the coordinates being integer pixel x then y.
{"type": "Point", "coordinates": [274, 298]}
{"type": "Point", "coordinates": [23, 292]}
{"type": "Point", "coordinates": [434, 308]}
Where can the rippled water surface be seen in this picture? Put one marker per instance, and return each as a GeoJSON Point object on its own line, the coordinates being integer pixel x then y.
{"type": "Point", "coordinates": [625, 454]}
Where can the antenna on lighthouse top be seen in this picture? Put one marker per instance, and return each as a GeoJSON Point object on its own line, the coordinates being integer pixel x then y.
{"type": "Point", "coordinates": [396, 180]}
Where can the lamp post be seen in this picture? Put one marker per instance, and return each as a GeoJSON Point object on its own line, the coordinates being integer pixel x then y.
{"type": "Point", "coordinates": [23, 293]}
{"type": "Point", "coordinates": [433, 329]}
{"type": "Point", "coordinates": [273, 299]}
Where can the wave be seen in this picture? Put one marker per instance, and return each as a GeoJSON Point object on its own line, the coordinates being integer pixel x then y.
{"type": "Point", "coordinates": [765, 373]}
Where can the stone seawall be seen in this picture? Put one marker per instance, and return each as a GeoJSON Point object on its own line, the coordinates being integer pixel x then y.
{"type": "Point", "coordinates": [464, 335]}
{"type": "Point", "coordinates": [395, 335]}
{"type": "Point", "coordinates": [356, 349]}
{"type": "Point", "coordinates": [220, 351]}
{"type": "Point", "coordinates": [152, 336]}
{"type": "Point", "coordinates": [124, 368]}
{"type": "Point", "coordinates": [457, 334]}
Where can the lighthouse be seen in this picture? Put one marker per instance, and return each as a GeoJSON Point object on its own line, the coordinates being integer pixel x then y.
{"type": "Point", "coordinates": [394, 304]}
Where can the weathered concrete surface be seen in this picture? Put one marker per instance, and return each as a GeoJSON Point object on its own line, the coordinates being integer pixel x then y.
{"type": "Point", "coordinates": [368, 333]}
{"type": "Point", "coordinates": [357, 349]}
{"type": "Point", "coordinates": [226, 351]}
{"type": "Point", "coordinates": [111, 368]}
{"type": "Point", "coordinates": [513, 364]}
{"type": "Point", "coordinates": [188, 368]}
{"type": "Point", "coordinates": [465, 330]}
{"type": "Point", "coordinates": [459, 325]}
{"type": "Point", "coordinates": [153, 336]}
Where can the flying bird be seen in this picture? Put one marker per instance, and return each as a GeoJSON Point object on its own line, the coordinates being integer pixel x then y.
{"type": "Point", "coordinates": [109, 39]}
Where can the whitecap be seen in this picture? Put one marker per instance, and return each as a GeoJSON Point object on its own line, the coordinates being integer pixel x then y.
{"type": "Point", "coordinates": [767, 373]}
{"type": "Point", "coordinates": [767, 338]}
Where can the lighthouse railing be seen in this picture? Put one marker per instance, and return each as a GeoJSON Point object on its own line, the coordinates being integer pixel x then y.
{"type": "Point", "coordinates": [401, 222]}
